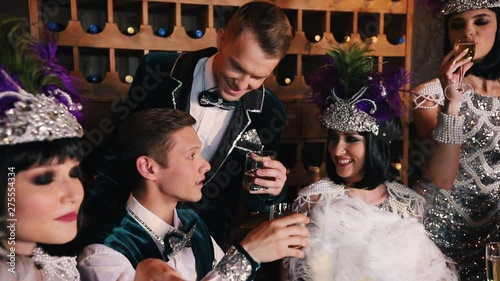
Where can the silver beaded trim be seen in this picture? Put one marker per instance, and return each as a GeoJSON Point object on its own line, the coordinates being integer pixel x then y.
{"type": "Point", "coordinates": [449, 129]}
{"type": "Point", "coordinates": [155, 236]}
{"type": "Point", "coordinates": [56, 268]}
{"type": "Point", "coordinates": [37, 117]}
{"type": "Point", "coordinates": [345, 116]}
{"type": "Point", "coordinates": [431, 91]}
{"type": "Point", "coordinates": [458, 6]}
{"type": "Point", "coordinates": [234, 266]}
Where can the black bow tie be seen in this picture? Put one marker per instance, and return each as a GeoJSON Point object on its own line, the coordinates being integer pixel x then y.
{"type": "Point", "coordinates": [178, 239]}
{"type": "Point", "coordinates": [208, 99]}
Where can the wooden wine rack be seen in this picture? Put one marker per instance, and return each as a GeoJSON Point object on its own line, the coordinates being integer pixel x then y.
{"type": "Point", "coordinates": [303, 133]}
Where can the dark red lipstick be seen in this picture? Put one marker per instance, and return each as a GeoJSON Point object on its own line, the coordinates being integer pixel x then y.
{"type": "Point", "coordinates": [69, 217]}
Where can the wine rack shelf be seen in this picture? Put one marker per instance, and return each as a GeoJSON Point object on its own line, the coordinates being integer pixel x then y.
{"type": "Point", "coordinates": [105, 55]}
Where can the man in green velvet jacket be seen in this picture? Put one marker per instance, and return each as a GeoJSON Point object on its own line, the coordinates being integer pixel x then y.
{"type": "Point", "coordinates": [161, 164]}
{"type": "Point", "coordinates": [238, 114]}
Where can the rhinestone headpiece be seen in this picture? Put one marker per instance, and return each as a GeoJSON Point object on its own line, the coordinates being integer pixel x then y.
{"type": "Point", "coordinates": [37, 117]}
{"type": "Point", "coordinates": [344, 116]}
{"type": "Point", "coordinates": [37, 95]}
{"type": "Point", "coordinates": [458, 6]}
{"type": "Point", "coordinates": [352, 94]}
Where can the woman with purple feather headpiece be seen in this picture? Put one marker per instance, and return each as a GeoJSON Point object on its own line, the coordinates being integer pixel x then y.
{"type": "Point", "coordinates": [40, 152]}
{"type": "Point", "coordinates": [361, 217]}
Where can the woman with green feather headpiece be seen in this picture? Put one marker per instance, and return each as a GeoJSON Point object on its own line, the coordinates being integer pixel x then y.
{"type": "Point", "coordinates": [361, 217]}
{"type": "Point", "coordinates": [40, 188]}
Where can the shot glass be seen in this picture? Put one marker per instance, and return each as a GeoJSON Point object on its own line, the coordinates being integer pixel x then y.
{"type": "Point", "coordinates": [251, 167]}
{"type": "Point", "coordinates": [280, 210]}
{"type": "Point", "coordinates": [492, 258]}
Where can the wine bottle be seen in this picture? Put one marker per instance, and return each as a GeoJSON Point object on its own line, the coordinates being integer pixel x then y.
{"type": "Point", "coordinates": [371, 40]}
{"type": "Point", "coordinates": [129, 31]}
{"type": "Point", "coordinates": [55, 26]}
{"type": "Point", "coordinates": [94, 78]}
{"type": "Point", "coordinates": [162, 32]}
{"type": "Point", "coordinates": [129, 79]}
{"type": "Point", "coordinates": [313, 37]}
{"type": "Point", "coordinates": [195, 33]}
{"type": "Point", "coordinates": [396, 40]}
{"type": "Point", "coordinates": [93, 29]}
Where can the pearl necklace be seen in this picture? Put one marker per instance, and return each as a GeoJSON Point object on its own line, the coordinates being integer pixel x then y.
{"type": "Point", "coordinates": [143, 224]}
{"type": "Point", "coordinates": [55, 268]}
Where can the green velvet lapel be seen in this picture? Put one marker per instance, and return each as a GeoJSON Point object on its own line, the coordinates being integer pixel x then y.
{"type": "Point", "coordinates": [136, 244]}
{"type": "Point", "coordinates": [201, 243]}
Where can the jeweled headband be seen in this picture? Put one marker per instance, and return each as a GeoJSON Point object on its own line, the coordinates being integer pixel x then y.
{"type": "Point", "coordinates": [36, 94]}
{"type": "Point", "coordinates": [446, 7]}
{"type": "Point", "coordinates": [458, 6]}
{"type": "Point", "coordinates": [352, 95]}
{"type": "Point", "coordinates": [37, 117]}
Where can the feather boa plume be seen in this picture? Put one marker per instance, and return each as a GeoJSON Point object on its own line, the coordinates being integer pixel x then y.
{"type": "Point", "coordinates": [348, 68]}
{"type": "Point", "coordinates": [351, 240]}
{"type": "Point", "coordinates": [32, 64]}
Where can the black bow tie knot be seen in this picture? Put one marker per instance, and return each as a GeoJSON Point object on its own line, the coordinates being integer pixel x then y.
{"type": "Point", "coordinates": [209, 99]}
{"type": "Point", "coordinates": [178, 239]}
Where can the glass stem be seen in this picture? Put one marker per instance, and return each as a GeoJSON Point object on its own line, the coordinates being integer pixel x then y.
{"type": "Point", "coordinates": [460, 78]}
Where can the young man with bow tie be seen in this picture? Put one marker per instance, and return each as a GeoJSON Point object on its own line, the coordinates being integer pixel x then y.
{"type": "Point", "coordinates": [222, 88]}
{"type": "Point", "coordinates": [161, 164]}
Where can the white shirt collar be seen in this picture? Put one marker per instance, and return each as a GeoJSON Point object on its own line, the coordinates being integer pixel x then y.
{"type": "Point", "coordinates": [157, 225]}
{"type": "Point", "coordinates": [209, 74]}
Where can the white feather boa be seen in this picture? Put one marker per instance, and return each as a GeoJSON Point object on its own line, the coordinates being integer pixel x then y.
{"type": "Point", "coordinates": [352, 240]}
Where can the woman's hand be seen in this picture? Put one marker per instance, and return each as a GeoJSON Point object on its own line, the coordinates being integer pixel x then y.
{"type": "Point", "coordinates": [450, 73]}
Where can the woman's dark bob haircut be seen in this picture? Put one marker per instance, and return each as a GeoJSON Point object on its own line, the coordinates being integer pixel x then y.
{"type": "Point", "coordinates": [377, 165]}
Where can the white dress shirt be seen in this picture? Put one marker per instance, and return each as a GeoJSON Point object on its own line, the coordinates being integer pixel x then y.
{"type": "Point", "coordinates": [211, 122]}
{"type": "Point", "coordinates": [98, 262]}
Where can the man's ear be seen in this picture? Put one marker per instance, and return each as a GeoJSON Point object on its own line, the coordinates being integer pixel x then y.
{"type": "Point", "coordinates": [145, 167]}
{"type": "Point", "coordinates": [220, 37]}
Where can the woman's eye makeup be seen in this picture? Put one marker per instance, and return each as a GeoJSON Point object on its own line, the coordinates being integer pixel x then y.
{"type": "Point", "coordinates": [75, 172]}
{"type": "Point", "coordinates": [44, 178]}
{"type": "Point", "coordinates": [481, 21]}
{"type": "Point", "coordinates": [352, 139]}
{"type": "Point", "coordinates": [458, 24]}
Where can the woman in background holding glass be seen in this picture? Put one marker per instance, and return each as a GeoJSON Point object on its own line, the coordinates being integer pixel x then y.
{"type": "Point", "coordinates": [462, 169]}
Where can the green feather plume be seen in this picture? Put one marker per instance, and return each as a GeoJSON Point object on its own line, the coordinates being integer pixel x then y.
{"type": "Point", "coordinates": [353, 64]}
{"type": "Point", "coordinates": [19, 57]}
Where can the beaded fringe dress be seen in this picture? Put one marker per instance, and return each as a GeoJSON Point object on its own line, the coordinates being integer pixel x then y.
{"type": "Point", "coordinates": [462, 220]}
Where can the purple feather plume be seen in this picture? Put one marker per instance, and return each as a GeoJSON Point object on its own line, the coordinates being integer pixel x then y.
{"type": "Point", "coordinates": [46, 49]}
{"type": "Point", "coordinates": [325, 78]}
{"type": "Point", "coordinates": [322, 80]}
{"type": "Point", "coordinates": [5, 86]}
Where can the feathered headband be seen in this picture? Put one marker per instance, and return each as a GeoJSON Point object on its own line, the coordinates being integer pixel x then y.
{"type": "Point", "coordinates": [37, 102]}
{"type": "Point", "coordinates": [352, 95]}
{"type": "Point", "coordinates": [446, 7]}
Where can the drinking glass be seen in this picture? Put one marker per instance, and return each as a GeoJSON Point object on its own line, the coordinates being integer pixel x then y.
{"type": "Point", "coordinates": [280, 210]}
{"type": "Point", "coordinates": [460, 87]}
{"type": "Point", "coordinates": [252, 165]}
{"type": "Point", "coordinates": [493, 261]}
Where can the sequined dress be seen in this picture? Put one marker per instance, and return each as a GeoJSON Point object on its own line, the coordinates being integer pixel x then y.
{"type": "Point", "coordinates": [462, 220]}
